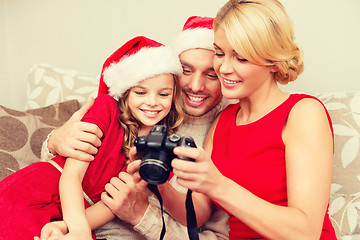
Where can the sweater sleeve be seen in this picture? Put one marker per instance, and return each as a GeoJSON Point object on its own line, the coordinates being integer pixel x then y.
{"type": "Point", "coordinates": [46, 155]}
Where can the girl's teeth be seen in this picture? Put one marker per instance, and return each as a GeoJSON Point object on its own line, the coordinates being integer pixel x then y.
{"type": "Point", "coordinates": [151, 112]}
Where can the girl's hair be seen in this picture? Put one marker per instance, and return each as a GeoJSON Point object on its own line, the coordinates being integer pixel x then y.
{"type": "Point", "coordinates": [262, 32]}
{"type": "Point", "coordinates": [132, 126]}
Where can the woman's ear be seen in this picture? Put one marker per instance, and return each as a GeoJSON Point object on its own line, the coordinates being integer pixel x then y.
{"type": "Point", "coordinates": [274, 68]}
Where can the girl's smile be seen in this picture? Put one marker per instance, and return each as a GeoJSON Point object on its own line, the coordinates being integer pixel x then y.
{"type": "Point", "coordinates": [150, 101]}
{"type": "Point", "coordinates": [150, 113]}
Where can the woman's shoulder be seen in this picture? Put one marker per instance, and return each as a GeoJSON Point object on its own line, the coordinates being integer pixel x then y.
{"type": "Point", "coordinates": [307, 103]}
{"type": "Point", "coordinates": [310, 110]}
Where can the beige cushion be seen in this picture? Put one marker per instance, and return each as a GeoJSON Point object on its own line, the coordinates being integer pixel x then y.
{"type": "Point", "coordinates": [22, 133]}
{"type": "Point", "coordinates": [48, 85]}
{"type": "Point", "coordinates": [344, 208]}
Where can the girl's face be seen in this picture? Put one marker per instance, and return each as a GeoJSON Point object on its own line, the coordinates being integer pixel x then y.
{"type": "Point", "coordinates": [239, 78]}
{"type": "Point", "coordinates": [150, 101]}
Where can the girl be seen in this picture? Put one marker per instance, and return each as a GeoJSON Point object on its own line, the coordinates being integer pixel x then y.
{"type": "Point", "coordinates": [142, 77]}
{"type": "Point", "coordinates": [271, 152]}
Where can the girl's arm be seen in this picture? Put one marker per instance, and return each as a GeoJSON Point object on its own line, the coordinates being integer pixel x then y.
{"type": "Point", "coordinates": [98, 215]}
{"type": "Point", "coordinates": [72, 200]}
{"type": "Point", "coordinates": [93, 213]}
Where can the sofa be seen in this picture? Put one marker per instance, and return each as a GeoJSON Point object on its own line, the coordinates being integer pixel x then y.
{"type": "Point", "coordinates": [54, 94]}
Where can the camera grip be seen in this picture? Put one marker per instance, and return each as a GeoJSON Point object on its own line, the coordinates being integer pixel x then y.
{"type": "Point", "coordinates": [186, 141]}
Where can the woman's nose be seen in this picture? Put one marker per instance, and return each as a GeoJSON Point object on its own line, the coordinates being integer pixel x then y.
{"type": "Point", "coordinates": [226, 66]}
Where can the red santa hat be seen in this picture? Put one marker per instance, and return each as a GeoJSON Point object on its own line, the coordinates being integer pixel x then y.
{"type": "Point", "coordinates": [196, 33]}
{"type": "Point", "coordinates": [138, 59]}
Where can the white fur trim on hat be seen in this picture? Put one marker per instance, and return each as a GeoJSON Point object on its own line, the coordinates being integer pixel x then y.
{"type": "Point", "coordinates": [146, 63]}
{"type": "Point", "coordinates": [194, 38]}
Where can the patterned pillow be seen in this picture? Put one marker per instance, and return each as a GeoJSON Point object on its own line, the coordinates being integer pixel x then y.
{"type": "Point", "coordinates": [48, 85]}
{"type": "Point", "coordinates": [22, 133]}
{"type": "Point", "coordinates": [344, 208]}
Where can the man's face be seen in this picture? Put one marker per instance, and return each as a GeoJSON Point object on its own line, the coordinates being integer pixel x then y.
{"type": "Point", "coordinates": [201, 89]}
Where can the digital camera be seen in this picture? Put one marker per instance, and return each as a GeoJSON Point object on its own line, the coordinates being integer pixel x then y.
{"type": "Point", "coordinates": [156, 152]}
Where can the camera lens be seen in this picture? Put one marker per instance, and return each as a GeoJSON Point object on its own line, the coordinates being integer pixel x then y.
{"type": "Point", "coordinates": [155, 168]}
{"type": "Point", "coordinates": [154, 171]}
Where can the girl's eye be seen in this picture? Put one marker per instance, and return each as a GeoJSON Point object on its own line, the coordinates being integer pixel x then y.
{"type": "Point", "coordinates": [140, 92]}
{"type": "Point", "coordinates": [164, 94]}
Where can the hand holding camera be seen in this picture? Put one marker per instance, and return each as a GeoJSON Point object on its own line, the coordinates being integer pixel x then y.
{"type": "Point", "coordinates": [156, 152]}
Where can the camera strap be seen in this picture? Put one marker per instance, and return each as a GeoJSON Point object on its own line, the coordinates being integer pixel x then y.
{"type": "Point", "coordinates": [191, 217]}
{"type": "Point", "coordinates": [190, 213]}
{"type": "Point", "coordinates": [154, 189]}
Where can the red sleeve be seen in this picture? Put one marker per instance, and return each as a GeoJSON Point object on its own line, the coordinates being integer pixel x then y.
{"type": "Point", "coordinates": [103, 112]}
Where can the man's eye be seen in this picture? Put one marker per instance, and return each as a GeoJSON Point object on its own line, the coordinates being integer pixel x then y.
{"type": "Point", "coordinates": [212, 76]}
{"type": "Point", "coordinates": [186, 72]}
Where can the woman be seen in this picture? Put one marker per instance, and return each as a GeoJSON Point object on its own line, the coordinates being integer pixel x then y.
{"type": "Point", "coordinates": [272, 152]}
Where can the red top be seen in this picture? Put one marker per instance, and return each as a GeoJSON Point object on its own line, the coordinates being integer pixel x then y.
{"type": "Point", "coordinates": [253, 155]}
{"type": "Point", "coordinates": [110, 159]}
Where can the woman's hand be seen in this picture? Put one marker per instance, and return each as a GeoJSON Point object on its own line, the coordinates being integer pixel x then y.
{"type": "Point", "coordinates": [200, 176]}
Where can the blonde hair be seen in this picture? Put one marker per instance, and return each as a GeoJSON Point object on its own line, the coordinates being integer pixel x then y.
{"type": "Point", "coordinates": [132, 126]}
{"type": "Point", "coordinates": [262, 32]}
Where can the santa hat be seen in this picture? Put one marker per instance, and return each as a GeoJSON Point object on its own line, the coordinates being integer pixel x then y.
{"type": "Point", "coordinates": [138, 59]}
{"type": "Point", "coordinates": [196, 33]}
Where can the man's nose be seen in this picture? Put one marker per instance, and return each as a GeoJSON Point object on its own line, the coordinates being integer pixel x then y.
{"type": "Point", "coordinates": [197, 83]}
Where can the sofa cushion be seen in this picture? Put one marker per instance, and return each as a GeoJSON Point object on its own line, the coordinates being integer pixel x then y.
{"type": "Point", "coordinates": [344, 208]}
{"type": "Point", "coordinates": [48, 85]}
{"type": "Point", "coordinates": [22, 133]}
{"type": "Point", "coordinates": [344, 213]}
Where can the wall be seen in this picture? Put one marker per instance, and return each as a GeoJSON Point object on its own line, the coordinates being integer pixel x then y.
{"type": "Point", "coordinates": [82, 34]}
{"type": "Point", "coordinates": [329, 33]}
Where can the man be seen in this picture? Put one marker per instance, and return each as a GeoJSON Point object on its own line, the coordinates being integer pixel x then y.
{"type": "Point", "coordinates": [201, 95]}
